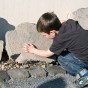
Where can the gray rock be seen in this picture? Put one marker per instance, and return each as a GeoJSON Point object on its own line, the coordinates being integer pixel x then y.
{"type": "Point", "coordinates": [54, 70]}
{"type": "Point", "coordinates": [25, 57]}
{"type": "Point", "coordinates": [37, 72]}
{"type": "Point", "coordinates": [4, 85]}
{"type": "Point", "coordinates": [81, 15]}
{"type": "Point", "coordinates": [25, 33]}
{"type": "Point", "coordinates": [4, 77]}
{"type": "Point", "coordinates": [1, 49]}
{"type": "Point", "coordinates": [58, 81]}
{"type": "Point", "coordinates": [18, 73]}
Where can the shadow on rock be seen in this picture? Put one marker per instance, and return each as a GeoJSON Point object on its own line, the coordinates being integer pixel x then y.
{"type": "Point", "coordinates": [55, 83]}
{"type": "Point", "coordinates": [4, 27]}
{"type": "Point", "coordinates": [14, 57]}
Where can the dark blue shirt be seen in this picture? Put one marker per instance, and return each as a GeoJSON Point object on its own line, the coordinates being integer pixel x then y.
{"type": "Point", "coordinates": [72, 37]}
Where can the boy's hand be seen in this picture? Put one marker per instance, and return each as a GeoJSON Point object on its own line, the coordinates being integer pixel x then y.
{"type": "Point", "coordinates": [29, 48]}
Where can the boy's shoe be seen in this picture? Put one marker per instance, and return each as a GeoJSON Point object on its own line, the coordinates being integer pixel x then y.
{"type": "Point", "coordinates": [82, 82]}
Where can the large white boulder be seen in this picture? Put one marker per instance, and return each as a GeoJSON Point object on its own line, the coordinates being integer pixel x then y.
{"type": "Point", "coordinates": [25, 33]}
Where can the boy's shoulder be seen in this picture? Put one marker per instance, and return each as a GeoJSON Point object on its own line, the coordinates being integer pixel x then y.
{"type": "Point", "coordinates": [69, 26]}
{"type": "Point", "coordinates": [70, 21]}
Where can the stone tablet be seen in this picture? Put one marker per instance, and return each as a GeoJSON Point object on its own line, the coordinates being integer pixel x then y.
{"type": "Point", "coordinates": [25, 33]}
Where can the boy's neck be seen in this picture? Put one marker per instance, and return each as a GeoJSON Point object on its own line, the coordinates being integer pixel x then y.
{"type": "Point", "coordinates": [57, 32]}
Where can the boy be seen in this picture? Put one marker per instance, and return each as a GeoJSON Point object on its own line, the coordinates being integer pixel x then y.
{"type": "Point", "coordinates": [66, 36]}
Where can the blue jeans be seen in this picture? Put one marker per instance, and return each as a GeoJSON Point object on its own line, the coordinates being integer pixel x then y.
{"type": "Point", "coordinates": [71, 64]}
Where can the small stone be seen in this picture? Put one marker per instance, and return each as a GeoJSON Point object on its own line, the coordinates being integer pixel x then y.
{"type": "Point", "coordinates": [54, 70]}
{"type": "Point", "coordinates": [43, 66]}
{"type": "Point", "coordinates": [37, 72]}
{"type": "Point", "coordinates": [4, 76]}
{"type": "Point", "coordinates": [18, 73]}
{"type": "Point", "coordinates": [2, 67]}
{"type": "Point", "coordinates": [17, 66]}
{"type": "Point", "coordinates": [25, 66]}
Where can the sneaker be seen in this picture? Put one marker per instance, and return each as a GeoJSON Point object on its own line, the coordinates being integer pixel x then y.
{"type": "Point", "coordinates": [82, 82]}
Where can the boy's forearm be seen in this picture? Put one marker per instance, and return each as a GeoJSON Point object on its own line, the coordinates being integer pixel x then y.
{"type": "Point", "coordinates": [44, 53]}
{"type": "Point", "coordinates": [31, 49]}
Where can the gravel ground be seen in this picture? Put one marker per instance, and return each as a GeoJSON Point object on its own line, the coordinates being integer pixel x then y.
{"type": "Point", "coordinates": [58, 81]}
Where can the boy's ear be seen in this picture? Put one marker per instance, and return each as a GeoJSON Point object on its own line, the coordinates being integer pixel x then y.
{"type": "Point", "coordinates": [53, 31]}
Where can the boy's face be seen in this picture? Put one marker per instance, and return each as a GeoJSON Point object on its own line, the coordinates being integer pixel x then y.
{"type": "Point", "coordinates": [49, 36]}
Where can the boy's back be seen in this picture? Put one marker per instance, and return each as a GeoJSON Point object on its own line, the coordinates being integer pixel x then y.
{"type": "Point", "coordinates": [72, 37]}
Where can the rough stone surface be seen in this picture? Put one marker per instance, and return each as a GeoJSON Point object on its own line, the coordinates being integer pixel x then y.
{"type": "Point", "coordinates": [51, 76]}
{"type": "Point", "coordinates": [25, 57]}
{"type": "Point", "coordinates": [81, 15]}
{"type": "Point", "coordinates": [4, 85]}
{"type": "Point", "coordinates": [18, 73]}
{"type": "Point", "coordinates": [4, 76]}
{"type": "Point", "coordinates": [54, 70]}
{"type": "Point", "coordinates": [1, 48]}
{"type": "Point", "coordinates": [58, 81]}
{"type": "Point", "coordinates": [25, 33]}
{"type": "Point", "coordinates": [37, 72]}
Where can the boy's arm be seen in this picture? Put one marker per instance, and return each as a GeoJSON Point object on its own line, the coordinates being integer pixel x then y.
{"type": "Point", "coordinates": [29, 48]}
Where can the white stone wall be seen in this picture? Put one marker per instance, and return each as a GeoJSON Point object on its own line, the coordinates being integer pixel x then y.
{"type": "Point", "coordinates": [18, 11]}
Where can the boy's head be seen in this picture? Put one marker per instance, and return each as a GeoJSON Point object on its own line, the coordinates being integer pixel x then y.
{"type": "Point", "coordinates": [48, 23]}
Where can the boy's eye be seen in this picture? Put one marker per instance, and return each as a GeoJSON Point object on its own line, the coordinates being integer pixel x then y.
{"type": "Point", "coordinates": [44, 35]}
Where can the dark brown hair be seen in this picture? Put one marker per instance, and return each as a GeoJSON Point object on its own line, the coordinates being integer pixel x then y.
{"type": "Point", "coordinates": [47, 22]}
